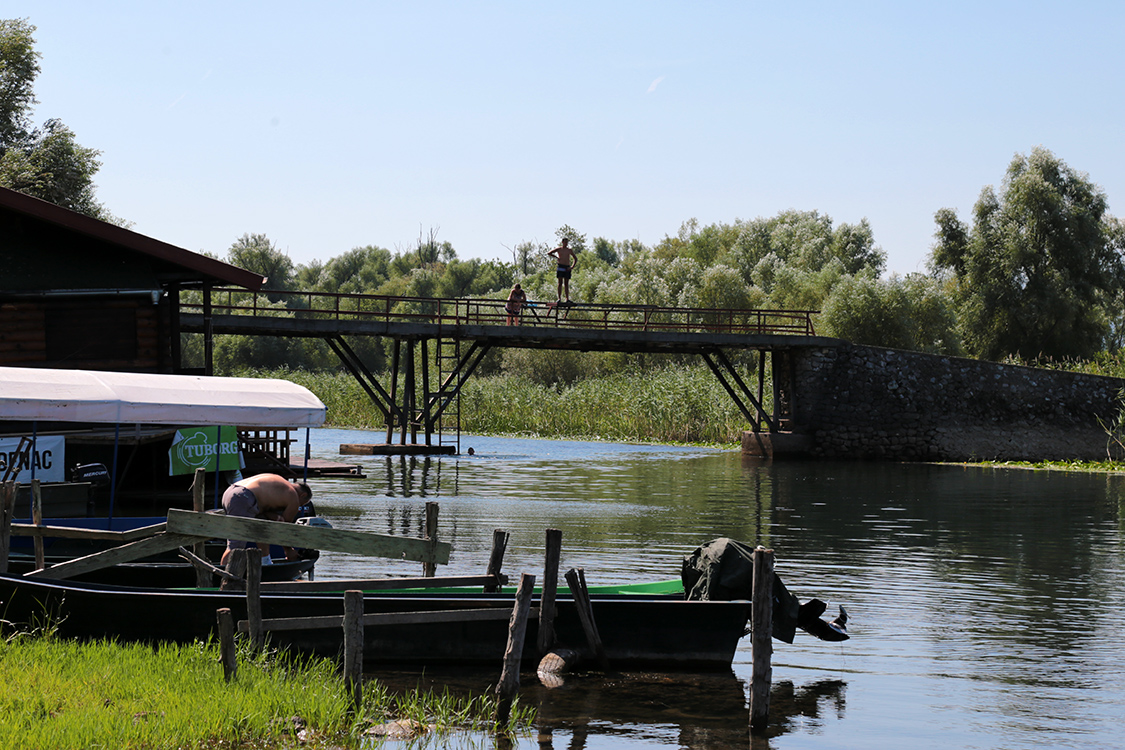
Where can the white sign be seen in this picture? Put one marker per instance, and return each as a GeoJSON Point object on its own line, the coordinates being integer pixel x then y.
{"type": "Point", "coordinates": [48, 458]}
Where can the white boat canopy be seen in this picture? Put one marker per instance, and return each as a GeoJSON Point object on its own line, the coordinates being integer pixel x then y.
{"type": "Point", "coordinates": [42, 395]}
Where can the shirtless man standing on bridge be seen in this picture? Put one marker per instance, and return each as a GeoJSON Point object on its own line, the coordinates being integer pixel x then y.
{"type": "Point", "coordinates": [267, 496]}
{"type": "Point", "coordinates": [567, 260]}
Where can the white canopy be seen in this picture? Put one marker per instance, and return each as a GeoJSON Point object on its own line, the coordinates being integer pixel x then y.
{"type": "Point", "coordinates": [139, 398]}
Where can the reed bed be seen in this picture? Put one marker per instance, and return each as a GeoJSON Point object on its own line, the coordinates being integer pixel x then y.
{"type": "Point", "coordinates": [61, 694]}
{"type": "Point", "coordinates": [673, 404]}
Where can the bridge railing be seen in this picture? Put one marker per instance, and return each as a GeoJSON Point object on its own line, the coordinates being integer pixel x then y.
{"type": "Point", "coordinates": [469, 311]}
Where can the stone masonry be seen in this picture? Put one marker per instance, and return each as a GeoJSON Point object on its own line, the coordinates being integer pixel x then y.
{"type": "Point", "coordinates": [865, 402]}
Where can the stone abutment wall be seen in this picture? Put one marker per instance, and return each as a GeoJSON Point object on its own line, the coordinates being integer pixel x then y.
{"type": "Point", "coordinates": [870, 403]}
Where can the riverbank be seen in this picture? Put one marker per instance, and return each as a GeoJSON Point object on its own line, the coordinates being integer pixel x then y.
{"type": "Point", "coordinates": [65, 695]}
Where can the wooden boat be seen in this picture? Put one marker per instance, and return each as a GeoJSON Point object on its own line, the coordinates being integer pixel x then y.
{"type": "Point", "coordinates": [639, 628]}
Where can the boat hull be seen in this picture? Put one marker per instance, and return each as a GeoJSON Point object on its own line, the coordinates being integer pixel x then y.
{"type": "Point", "coordinates": [637, 631]}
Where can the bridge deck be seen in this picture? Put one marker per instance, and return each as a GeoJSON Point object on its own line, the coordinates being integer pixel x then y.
{"type": "Point", "coordinates": [586, 327]}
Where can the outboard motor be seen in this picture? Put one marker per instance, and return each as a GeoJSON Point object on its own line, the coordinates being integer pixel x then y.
{"type": "Point", "coordinates": [95, 474]}
{"type": "Point", "coordinates": [310, 520]}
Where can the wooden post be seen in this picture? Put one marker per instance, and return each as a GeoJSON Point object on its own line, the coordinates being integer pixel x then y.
{"type": "Point", "coordinates": [353, 647]}
{"type": "Point", "coordinates": [236, 566]}
{"type": "Point", "coordinates": [7, 510]}
{"type": "Point", "coordinates": [496, 559]}
{"type": "Point", "coordinates": [429, 568]}
{"type": "Point", "coordinates": [37, 520]}
{"type": "Point", "coordinates": [509, 684]}
{"type": "Point", "coordinates": [761, 627]}
{"type": "Point", "coordinates": [198, 487]}
{"type": "Point", "coordinates": [550, 588]}
{"type": "Point", "coordinates": [254, 598]}
{"type": "Point", "coordinates": [576, 579]}
{"type": "Point", "coordinates": [228, 654]}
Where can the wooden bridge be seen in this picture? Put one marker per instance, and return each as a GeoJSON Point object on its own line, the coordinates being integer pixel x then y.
{"type": "Point", "coordinates": [448, 338]}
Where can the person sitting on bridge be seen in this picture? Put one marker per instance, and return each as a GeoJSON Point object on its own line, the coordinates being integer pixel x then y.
{"type": "Point", "coordinates": [514, 307]}
{"type": "Point", "coordinates": [267, 496]}
{"type": "Point", "coordinates": [567, 261]}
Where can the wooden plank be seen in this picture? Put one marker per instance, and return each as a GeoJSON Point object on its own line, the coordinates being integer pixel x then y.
{"type": "Point", "coordinates": [125, 553]}
{"type": "Point", "coordinates": [73, 532]}
{"type": "Point", "coordinates": [216, 525]}
{"type": "Point", "coordinates": [383, 584]}
{"type": "Point", "coordinates": [388, 618]}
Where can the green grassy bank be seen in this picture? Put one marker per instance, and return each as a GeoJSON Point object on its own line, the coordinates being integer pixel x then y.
{"type": "Point", "coordinates": [676, 404]}
{"type": "Point", "coordinates": [61, 695]}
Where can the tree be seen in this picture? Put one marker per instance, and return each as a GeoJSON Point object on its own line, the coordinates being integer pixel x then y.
{"type": "Point", "coordinates": [1039, 271]}
{"type": "Point", "coordinates": [256, 253]}
{"type": "Point", "coordinates": [46, 163]}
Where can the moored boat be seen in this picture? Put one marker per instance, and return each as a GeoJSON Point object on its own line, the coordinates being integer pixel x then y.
{"type": "Point", "coordinates": [639, 630]}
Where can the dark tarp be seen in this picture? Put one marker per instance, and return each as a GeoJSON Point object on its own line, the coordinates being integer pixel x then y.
{"type": "Point", "coordinates": [723, 570]}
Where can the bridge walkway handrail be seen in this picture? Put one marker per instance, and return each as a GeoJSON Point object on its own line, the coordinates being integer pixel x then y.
{"type": "Point", "coordinates": [461, 311]}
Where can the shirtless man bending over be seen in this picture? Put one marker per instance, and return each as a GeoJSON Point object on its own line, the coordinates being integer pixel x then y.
{"type": "Point", "coordinates": [266, 496]}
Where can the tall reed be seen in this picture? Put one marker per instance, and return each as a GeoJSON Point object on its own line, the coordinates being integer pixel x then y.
{"type": "Point", "coordinates": [677, 403]}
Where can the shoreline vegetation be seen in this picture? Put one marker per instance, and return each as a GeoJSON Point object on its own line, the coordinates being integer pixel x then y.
{"type": "Point", "coordinates": [677, 404]}
{"type": "Point", "coordinates": [66, 695]}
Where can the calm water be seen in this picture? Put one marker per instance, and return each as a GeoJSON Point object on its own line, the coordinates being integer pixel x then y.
{"type": "Point", "coordinates": [986, 605]}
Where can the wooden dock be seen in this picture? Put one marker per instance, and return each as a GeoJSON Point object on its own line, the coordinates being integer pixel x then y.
{"type": "Point", "coordinates": [396, 449]}
{"type": "Point", "coordinates": [319, 467]}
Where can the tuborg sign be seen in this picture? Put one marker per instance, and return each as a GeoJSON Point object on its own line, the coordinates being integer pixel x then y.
{"type": "Point", "coordinates": [209, 448]}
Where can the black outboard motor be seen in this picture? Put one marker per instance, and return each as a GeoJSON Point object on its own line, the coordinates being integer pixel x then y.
{"type": "Point", "coordinates": [95, 474]}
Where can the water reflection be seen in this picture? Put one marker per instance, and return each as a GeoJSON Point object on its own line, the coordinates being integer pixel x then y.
{"type": "Point", "coordinates": [703, 712]}
{"type": "Point", "coordinates": [985, 603]}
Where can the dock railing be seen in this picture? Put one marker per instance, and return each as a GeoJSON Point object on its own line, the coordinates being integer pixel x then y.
{"type": "Point", "coordinates": [473, 311]}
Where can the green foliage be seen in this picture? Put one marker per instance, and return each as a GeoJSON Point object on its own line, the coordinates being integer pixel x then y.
{"type": "Point", "coordinates": [47, 163]}
{"type": "Point", "coordinates": [1040, 271]}
{"type": "Point", "coordinates": [902, 313]}
{"type": "Point", "coordinates": [256, 253]}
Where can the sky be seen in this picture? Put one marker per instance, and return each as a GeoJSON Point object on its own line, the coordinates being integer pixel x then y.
{"type": "Point", "coordinates": [331, 125]}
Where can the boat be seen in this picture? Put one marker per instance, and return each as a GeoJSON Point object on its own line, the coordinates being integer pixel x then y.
{"type": "Point", "coordinates": [641, 628]}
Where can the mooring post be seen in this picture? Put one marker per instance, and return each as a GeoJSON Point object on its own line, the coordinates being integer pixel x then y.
{"type": "Point", "coordinates": [198, 488]}
{"type": "Point", "coordinates": [576, 579]}
{"type": "Point", "coordinates": [236, 566]}
{"type": "Point", "coordinates": [7, 510]}
{"type": "Point", "coordinates": [509, 684]}
{"type": "Point", "coordinates": [550, 588]}
{"type": "Point", "coordinates": [353, 647]}
{"type": "Point", "coordinates": [254, 598]}
{"type": "Point", "coordinates": [37, 521]}
{"type": "Point", "coordinates": [496, 559]}
{"type": "Point", "coordinates": [429, 568]}
{"type": "Point", "coordinates": [228, 654]}
{"type": "Point", "coordinates": [761, 627]}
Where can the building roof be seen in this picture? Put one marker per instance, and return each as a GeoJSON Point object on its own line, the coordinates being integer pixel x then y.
{"type": "Point", "coordinates": [171, 264]}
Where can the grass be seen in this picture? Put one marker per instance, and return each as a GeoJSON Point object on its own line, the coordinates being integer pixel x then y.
{"type": "Point", "coordinates": [62, 694]}
{"type": "Point", "coordinates": [675, 404]}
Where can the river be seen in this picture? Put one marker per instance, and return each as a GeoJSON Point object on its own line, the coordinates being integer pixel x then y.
{"type": "Point", "coordinates": [985, 604]}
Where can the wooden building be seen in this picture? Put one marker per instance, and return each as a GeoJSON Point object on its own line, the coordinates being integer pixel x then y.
{"type": "Point", "coordinates": [79, 293]}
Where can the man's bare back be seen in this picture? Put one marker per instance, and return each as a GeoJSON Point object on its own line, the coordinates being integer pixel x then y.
{"type": "Point", "coordinates": [276, 495]}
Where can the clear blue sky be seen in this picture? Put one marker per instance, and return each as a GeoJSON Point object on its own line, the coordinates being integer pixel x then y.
{"type": "Point", "coordinates": [331, 125]}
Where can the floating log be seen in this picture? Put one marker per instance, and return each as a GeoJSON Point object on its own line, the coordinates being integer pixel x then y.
{"type": "Point", "coordinates": [396, 449]}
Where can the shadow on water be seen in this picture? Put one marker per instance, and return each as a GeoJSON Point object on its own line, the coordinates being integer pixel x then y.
{"type": "Point", "coordinates": [699, 711]}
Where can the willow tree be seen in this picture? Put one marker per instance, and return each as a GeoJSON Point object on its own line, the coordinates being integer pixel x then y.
{"type": "Point", "coordinates": [1039, 272]}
